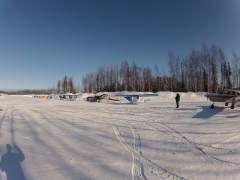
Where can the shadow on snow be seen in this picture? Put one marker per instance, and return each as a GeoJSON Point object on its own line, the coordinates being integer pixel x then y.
{"type": "Point", "coordinates": [11, 163]}
{"type": "Point", "coordinates": [207, 112]}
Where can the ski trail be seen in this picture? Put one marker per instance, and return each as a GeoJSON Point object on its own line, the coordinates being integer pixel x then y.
{"type": "Point", "coordinates": [138, 171]}
{"type": "Point", "coordinates": [236, 136]}
{"type": "Point", "coordinates": [180, 137]}
{"type": "Point", "coordinates": [200, 149]}
{"type": "Point", "coordinates": [3, 117]}
{"type": "Point", "coordinates": [154, 168]}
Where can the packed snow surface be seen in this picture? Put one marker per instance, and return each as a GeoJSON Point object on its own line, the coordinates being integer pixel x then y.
{"type": "Point", "coordinates": [66, 140]}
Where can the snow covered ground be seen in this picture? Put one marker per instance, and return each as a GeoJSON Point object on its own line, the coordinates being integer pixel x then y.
{"type": "Point", "coordinates": [62, 140]}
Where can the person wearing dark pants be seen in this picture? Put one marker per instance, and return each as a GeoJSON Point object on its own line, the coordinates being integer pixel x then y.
{"type": "Point", "coordinates": [177, 98]}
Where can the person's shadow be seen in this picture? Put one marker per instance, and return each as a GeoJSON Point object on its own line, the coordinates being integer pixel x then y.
{"type": "Point", "coordinates": [11, 163]}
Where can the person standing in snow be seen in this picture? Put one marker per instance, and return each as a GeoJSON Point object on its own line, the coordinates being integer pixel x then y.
{"type": "Point", "coordinates": [177, 98]}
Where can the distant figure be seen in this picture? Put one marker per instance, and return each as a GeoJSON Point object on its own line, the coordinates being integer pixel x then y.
{"type": "Point", "coordinates": [10, 163]}
{"type": "Point", "coordinates": [177, 98]}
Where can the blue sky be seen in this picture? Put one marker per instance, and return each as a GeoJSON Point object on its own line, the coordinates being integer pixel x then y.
{"type": "Point", "coordinates": [42, 40]}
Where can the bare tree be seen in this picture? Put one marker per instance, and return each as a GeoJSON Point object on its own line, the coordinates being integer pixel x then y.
{"type": "Point", "coordinates": [65, 84]}
{"type": "Point", "coordinates": [71, 86]}
{"type": "Point", "coordinates": [59, 84]}
{"type": "Point", "coordinates": [206, 69]}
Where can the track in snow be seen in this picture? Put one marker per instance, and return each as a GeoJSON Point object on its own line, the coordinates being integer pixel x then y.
{"type": "Point", "coordinates": [137, 173]}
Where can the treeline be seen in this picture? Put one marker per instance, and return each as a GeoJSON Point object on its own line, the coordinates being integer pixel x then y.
{"type": "Point", "coordinates": [28, 91]}
{"type": "Point", "coordinates": [207, 69]}
{"type": "Point", "coordinates": [66, 85]}
{"type": "Point", "coordinates": [125, 78]}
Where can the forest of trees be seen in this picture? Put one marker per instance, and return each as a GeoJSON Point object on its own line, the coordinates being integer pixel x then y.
{"type": "Point", "coordinates": [205, 70]}
{"type": "Point", "coordinates": [66, 85]}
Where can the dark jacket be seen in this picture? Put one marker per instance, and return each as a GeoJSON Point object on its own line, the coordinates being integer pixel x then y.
{"type": "Point", "coordinates": [177, 97]}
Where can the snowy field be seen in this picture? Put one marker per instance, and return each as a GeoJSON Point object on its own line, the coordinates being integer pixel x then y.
{"type": "Point", "coordinates": [63, 140]}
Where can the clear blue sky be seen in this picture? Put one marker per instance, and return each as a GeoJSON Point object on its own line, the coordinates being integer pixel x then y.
{"type": "Point", "coordinates": [42, 40]}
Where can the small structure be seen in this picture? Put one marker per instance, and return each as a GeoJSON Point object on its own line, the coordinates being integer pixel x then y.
{"type": "Point", "coordinates": [41, 96]}
{"type": "Point", "coordinates": [70, 96]}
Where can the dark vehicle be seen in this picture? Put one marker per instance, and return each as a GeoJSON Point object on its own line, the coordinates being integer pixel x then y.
{"type": "Point", "coordinates": [96, 98]}
{"type": "Point", "coordinates": [92, 99]}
